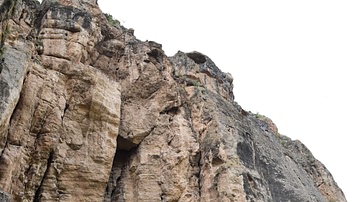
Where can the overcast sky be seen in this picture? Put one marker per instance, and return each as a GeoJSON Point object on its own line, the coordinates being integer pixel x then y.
{"type": "Point", "coordinates": [296, 62]}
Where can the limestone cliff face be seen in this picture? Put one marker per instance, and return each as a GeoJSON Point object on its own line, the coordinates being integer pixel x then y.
{"type": "Point", "coordinates": [90, 113]}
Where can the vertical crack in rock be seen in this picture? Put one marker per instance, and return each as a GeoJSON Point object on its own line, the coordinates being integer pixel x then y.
{"type": "Point", "coordinates": [198, 174]}
{"type": "Point", "coordinates": [38, 191]}
{"type": "Point", "coordinates": [64, 111]}
{"type": "Point", "coordinates": [115, 188]}
{"type": "Point", "coordinates": [41, 125]}
{"type": "Point", "coordinates": [5, 145]}
{"type": "Point", "coordinates": [195, 160]}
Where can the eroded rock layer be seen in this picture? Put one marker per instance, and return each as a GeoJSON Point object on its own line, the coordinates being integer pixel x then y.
{"type": "Point", "coordinates": [90, 113]}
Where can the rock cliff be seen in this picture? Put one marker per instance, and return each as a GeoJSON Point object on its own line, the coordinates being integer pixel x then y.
{"type": "Point", "coordinates": [90, 113]}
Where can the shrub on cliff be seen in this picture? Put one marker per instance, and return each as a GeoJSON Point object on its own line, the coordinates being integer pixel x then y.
{"type": "Point", "coordinates": [114, 22]}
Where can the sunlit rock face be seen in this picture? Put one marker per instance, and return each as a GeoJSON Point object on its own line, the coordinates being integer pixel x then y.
{"type": "Point", "coordinates": [90, 113]}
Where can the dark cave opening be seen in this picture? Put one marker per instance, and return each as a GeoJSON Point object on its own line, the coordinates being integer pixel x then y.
{"type": "Point", "coordinates": [124, 151]}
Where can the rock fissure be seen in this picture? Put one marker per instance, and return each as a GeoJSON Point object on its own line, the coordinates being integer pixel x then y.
{"type": "Point", "coordinates": [5, 146]}
{"type": "Point", "coordinates": [64, 111]}
{"type": "Point", "coordinates": [40, 128]}
{"type": "Point", "coordinates": [120, 166]}
{"type": "Point", "coordinates": [321, 183]}
{"type": "Point", "coordinates": [37, 196]}
{"type": "Point", "coordinates": [58, 56]}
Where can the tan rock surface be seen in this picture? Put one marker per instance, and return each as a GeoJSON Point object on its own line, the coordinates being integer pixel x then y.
{"type": "Point", "coordinates": [90, 113]}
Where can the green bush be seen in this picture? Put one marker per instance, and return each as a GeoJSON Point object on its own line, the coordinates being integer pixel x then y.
{"type": "Point", "coordinates": [114, 22]}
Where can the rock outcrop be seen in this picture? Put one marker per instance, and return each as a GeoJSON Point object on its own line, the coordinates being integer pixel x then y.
{"type": "Point", "coordinates": [90, 113]}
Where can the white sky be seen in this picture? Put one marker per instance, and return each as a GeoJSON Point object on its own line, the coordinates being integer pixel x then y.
{"type": "Point", "coordinates": [294, 61]}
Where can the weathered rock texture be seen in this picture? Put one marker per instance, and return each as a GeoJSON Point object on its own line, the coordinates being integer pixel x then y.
{"type": "Point", "coordinates": [90, 113]}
